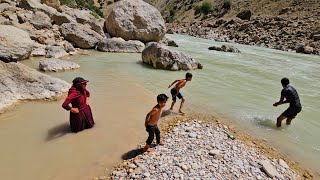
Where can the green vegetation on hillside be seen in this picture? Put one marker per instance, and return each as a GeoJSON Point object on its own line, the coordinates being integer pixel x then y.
{"type": "Point", "coordinates": [205, 8]}
{"type": "Point", "coordinates": [86, 4]}
{"type": "Point", "coordinates": [170, 18]}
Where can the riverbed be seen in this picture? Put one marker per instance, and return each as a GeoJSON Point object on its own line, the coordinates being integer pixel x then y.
{"type": "Point", "coordinates": [242, 87]}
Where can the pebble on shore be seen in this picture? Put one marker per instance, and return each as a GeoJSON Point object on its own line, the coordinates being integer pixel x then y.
{"type": "Point", "coordinates": [201, 150]}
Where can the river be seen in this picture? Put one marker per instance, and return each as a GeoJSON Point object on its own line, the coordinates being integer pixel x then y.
{"type": "Point", "coordinates": [239, 87]}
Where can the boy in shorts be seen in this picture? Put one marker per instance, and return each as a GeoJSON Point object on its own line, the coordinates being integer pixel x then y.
{"type": "Point", "coordinates": [151, 122]}
{"type": "Point", "coordinates": [175, 91]}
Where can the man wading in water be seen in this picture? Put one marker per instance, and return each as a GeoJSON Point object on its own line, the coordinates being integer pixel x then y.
{"type": "Point", "coordinates": [175, 92]}
{"type": "Point", "coordinates": [292, 97]}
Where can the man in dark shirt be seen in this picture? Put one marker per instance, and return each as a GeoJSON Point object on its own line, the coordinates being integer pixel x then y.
{"type": "Point", "coordinates": [290, 94]}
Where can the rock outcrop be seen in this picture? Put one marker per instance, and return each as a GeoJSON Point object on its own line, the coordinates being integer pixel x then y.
{"type": "Point", "coordinates": [14, 43]}
{"type": "Point", "coordinates": [18, 82]}
{"type": "Point", "coordinates": [169, 42]}
{"type": "Point", "coordinates": [55, 52]}
{"type": "Point", "coordinates": [120, 45]}
{"type": "Point", "coordinates": [80, 35]}
{"type": "Point", "coordinates": [55, 65]}
{"type": "Point", "coordinates": [37, 6]}
{"type": "Point", "coordinates": [225, 48]}
{"type": "Point", "coordinates": [160, 57]}
{"type": "Point", "coordinates": [135, 20]}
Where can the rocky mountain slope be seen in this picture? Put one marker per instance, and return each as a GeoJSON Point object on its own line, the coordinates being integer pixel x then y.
{"type": "Point", "coordinates": [289, 25]}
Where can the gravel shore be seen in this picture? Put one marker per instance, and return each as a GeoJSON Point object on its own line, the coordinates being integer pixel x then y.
{"type": "Point", "coordinates": [199, 148]}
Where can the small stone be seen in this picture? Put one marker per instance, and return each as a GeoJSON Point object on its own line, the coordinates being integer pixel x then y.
{"type": "Point", "coordinates": [202, 173]}
{"type": "Point", "coordinates": [184, 167]}
{"type": "Point", "coordinates": [133, 166]}
{"type": "Point", "coordinates": [176, 175]}
{"type": "Point", "coordinates": [239, 162]}
{"type": "Point", "coordinates": [218, 156]}
{"type": "Point", "coordinates": [103, 177]}
{"type": "Point", "coordinates": [146, 174]}
{"type": "Point", "coordinates": [283, 163]}
{"type": "Point", "coordinates": [192, 135]}
{"type": "Point", "coordinates": [269, 169]}
{"type": "Point", "coordinates": [214, 152]}
{"type": "Point", "coordinates": [259, 177]}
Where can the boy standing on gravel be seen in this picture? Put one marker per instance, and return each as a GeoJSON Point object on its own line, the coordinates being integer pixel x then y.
{"type": "Point", "coordinates": [151, 122]}
{"type": "Point", "coordinates": [175, 92]}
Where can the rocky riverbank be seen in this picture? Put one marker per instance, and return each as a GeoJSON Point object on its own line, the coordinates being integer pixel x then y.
{"type": "Point", "coordinates": [200, 147]}
{"type": "Point", "coordinates": [286, 33]}
{"type": "Point", "coordinates": [30, 28]}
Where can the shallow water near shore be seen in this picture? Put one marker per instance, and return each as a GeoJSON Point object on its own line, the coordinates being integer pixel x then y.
{"type": "Point", "coordinates": [240, 87]}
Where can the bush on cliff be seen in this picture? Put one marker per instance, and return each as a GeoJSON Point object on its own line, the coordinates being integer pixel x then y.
{"type": "Point", "coordinates": [87, 4]}
{"type": "Point", "coordinates": [226, 4]}
{"type": "Point", "coordinates": [205, 8]}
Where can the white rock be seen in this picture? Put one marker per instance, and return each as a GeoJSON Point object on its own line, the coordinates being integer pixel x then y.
{"type": "Point", "coordinates": [283, 163]}
{"type": "Point", "coordinates": [193, 135]}
{"type": "Point", "coordinates": [214, 152]}
{"type": "Point", "coordinates": [269, 169]}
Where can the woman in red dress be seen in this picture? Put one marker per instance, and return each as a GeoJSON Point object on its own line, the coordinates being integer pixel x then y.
{"type": "Point", "coordinates": [80, 111]}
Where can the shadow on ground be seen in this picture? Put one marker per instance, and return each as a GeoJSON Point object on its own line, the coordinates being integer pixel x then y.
{"type": "Point", "coordinates": [132, 154]}
{"type": "Point", "coordinates": [58, 131]}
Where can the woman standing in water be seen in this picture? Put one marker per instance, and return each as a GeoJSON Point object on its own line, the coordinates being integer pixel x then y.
{"type": "Point", "coordinates": [80, 111]}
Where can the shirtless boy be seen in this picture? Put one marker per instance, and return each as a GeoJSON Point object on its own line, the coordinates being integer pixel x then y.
{"type": "Point", "coordinates": [175, 91]}
{"type": "Point", "coordinates": [151, 122]}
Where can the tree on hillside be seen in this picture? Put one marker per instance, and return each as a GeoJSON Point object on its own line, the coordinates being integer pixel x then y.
{"type": "Point", "coordinates": [205, 8]}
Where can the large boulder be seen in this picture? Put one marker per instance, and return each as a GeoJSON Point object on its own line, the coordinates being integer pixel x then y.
{"type": "Point", "coordinates": [55, 65]}
{"type": "Point", "coordinates": [47, 36]}
{"type": "Point", "coordinates": [40, 20]}
{"type": "Point", "coordinates": [80, 35]}
{"type": "Point", "coordinates": [39, 51]}
{"type": "Point", "coordinates": [225, 48]}
{"type": "Point", "coordinates": [19, 82]}
{"type": "Point", "coordinates": [3, 6]}
{"type": "Point", "coordinates": [308, 50]}
{"type": "Point", "coordinates": [14, 43]}
{"type": "Point", "coordinates": [245, 14]}
{"type": "Point", "coordinates": [160, 57]}
{"type": "Point", "coordinates": [52, 3]}
{"type": "Point", "coordinates": [37, 6]}
{"type": "Point", "coordinates": [168, 42]}
{"type": "Point", "coordinates": [120, 45]}
{"type": "Point", "coordinates": [135, 20]}
{"type": "Point", "coordinates": [84, 17]}
{"type": "Point", "coordinates": [60, 18]}
{"type": "Point", "coordinates": [81, 16]}
{"type": "Point", "coordinates": [55, 52]}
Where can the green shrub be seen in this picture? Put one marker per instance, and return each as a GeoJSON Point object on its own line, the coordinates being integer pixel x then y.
{"type": "Point", "coordinates": [87, 4]}
{"type": "Point", "coordinates": [226, 4]}
{"type": "Point", "coordinates": [197, 10]}
{"type": "Point", "coordinates": [206, 7]}
{"type": "Point", "coordinates": [172, 12]}
{"type": "Point", "coordinates": [70, 3]}
{"type": "Point", "coordinates": [171, 16]}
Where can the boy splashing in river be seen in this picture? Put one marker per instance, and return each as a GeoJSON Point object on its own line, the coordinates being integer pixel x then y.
{"type": "Point", "coordinates": [151, 122]}
{"type": "Point", "coordinates": [175, 92]}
